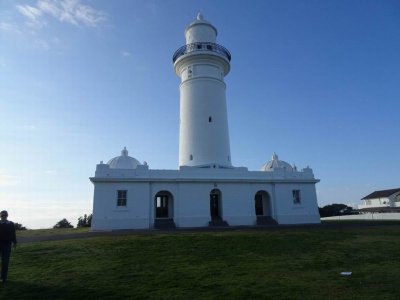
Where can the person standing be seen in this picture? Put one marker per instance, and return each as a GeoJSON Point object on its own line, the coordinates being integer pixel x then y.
{"type": "Point", "coordinates": [7, 238]}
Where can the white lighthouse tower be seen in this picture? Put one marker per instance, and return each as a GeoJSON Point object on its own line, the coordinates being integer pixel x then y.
{"type": "Point", "coordinates": [203, 131]}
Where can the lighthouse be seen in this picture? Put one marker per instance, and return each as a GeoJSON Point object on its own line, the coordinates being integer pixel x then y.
{"type": "Point", "coordinates": [206, 190]}
{"type": "Point", "coordinates": [202, 65]}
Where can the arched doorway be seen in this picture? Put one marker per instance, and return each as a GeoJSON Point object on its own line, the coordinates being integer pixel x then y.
{"type": "Point", "coordinates": [164, 210]}
{"type": "Point", "coordinates": [163, 203]}
{"type": "Point", "coordinates": [259, 205]}
{"type": "Point", "coordinates": [262, 205]}
{"type": "Point", "coordinates": [215, 204]}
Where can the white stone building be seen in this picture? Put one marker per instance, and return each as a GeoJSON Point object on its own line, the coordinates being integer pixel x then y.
{"type": "Point", "coordinates": [381, 201]}
{"type": "Point", "coordinates": [206, 190]}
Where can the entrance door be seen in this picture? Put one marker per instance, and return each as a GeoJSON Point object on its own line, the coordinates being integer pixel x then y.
{"type": "Point", "coordinates": [214, 204]}
{"type": "Point", "coordinates": [262, 204]}
{"type": "Point", "coordinates": [259, 204]}
{"type": "Point", "coordinates": [162, 206]}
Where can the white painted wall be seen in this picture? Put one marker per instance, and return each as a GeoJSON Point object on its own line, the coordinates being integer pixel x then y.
{"type": "Point", "coordinates": [190, 188]}
{"type": "Point", "coordinates": [288, 212]}
{"type": "Point", "coordinates": [366, 217]}
{"type": "Point", "coordinates": [107, 215]}
{"type": "Point", "coordinates": [203, 141]}
{"type": "Point", "coordinates": [194, 205]}
{"type": "Point", "coordinates": [237, 203]}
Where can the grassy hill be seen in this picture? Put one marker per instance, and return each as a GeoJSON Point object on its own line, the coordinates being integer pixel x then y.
{"type": "Point", "coordinates": [288, 263]}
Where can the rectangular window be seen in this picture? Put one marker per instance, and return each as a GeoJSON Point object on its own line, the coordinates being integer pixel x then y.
{"type": "Point", "coordinates": [122, 197]}
{"type": "Point", "coordinates": [296, 197]}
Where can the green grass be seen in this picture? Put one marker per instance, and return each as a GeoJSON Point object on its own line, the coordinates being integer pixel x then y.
{"type": "Point", "coordinates": [290, 263]}
{"type": "Point", "coordinates": [51, 232]}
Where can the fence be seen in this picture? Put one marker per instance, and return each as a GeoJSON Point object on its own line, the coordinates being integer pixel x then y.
{"type": "Point", "coordinates": [369, 216]}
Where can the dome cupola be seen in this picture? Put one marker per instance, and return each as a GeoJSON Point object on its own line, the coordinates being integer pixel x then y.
{"type": "Point", "coordinates": [200, 31]}
{"type": "Point", "coordinates": [275, 163]}
{"type": "Point", "coordinates": [124, 161]}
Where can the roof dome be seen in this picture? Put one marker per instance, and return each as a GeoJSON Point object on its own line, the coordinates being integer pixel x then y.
{"type": "Point", "coordinates": [124, 161]}
{"type": "Point", "coordinates": [275, 163]}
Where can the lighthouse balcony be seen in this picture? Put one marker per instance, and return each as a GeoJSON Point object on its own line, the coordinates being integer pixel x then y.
{"type": "Point", "coordinates": [199, 47]}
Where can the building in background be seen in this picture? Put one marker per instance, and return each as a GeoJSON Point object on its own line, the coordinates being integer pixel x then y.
{"type": "Point", "coordinates": [381, 202]}
{"type": "Point", "coordinates": [206, 189]}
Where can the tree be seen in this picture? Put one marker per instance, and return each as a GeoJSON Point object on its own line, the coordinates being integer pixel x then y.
{"type": "Point", "coordinates": [19, 226]}
{"type": "Point", "coordinates": [85, 221]}
{"type": "Point", "coordinates": [63, 224]}
{"type": "Point", "coordinates": [335, 210]}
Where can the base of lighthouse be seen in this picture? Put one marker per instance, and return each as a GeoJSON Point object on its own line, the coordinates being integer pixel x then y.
{"type": "Point", "coordinates": [141, 198]}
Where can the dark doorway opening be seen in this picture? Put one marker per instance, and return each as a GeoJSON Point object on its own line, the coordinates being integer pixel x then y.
{"type": "Point", "coordinates": [215, 198]}
{"type": "Point", "coordinates": [162, 206]}
{"type": "Point", "coordinates": [216, 210]}
{"type": "Point", "coordinates": [259, 204]}
{"type": "Point", "coordinates": [164, 210]}
{"type": "Point", "coordinates": [262, 203]}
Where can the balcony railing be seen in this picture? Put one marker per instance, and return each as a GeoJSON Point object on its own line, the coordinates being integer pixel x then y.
{"type": "Point", "coordinates": [201, 46]}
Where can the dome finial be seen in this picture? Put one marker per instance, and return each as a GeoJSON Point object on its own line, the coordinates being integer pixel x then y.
{"type": "Point", "coordinates": [274, 156]}
{"type": "Point", "coordinates": [124, 152]}
{"type": "Point", "coordinates": [200, 16]}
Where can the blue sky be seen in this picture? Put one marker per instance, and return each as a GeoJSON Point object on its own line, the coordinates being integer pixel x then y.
{"type": "Point", "coordinates": [318, 82]}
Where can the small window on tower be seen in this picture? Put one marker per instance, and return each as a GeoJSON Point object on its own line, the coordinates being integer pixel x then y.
{"type": "Point", "coordinates": [191, 157]}
{"type": "Point", "coordinates": [209, 119]}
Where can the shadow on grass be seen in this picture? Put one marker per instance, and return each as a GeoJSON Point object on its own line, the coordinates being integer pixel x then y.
{"type": "Point", "coordinates": [26, 290]}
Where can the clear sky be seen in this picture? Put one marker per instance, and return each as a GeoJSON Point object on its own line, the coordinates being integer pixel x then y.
{"type": "Point", "coordinates": [318, 82]}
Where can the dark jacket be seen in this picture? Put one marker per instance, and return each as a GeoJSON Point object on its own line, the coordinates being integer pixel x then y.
{"type": "Point", "coordinates": [7, 232]}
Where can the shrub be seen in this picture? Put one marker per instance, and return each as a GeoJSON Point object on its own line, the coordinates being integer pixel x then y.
{"type": "Point", "coordinates": [19, 226]}
{"type": "Point", "coordinates": [85, 221]}
{"type": "Point", "coordinates": [63, 224]}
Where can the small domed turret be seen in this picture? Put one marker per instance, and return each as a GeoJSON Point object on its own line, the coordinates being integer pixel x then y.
{"type": "Point", "coordinates": [124, 161]}
{"type": "Point", "coordinates": [275, 163]}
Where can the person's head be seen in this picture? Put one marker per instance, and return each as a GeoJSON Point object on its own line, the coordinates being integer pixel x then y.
{"type": "Point", "coordinates": [3, 215]}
